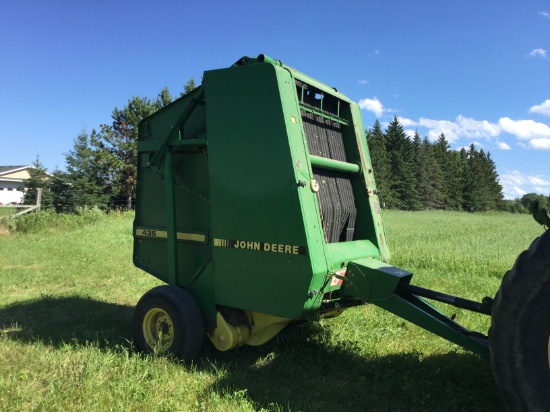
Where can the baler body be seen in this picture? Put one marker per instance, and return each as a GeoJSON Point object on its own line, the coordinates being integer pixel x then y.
{"type": "Point", "coordinates": [256, 203]}
{"type": "Point", "coordinates": [255, 191]}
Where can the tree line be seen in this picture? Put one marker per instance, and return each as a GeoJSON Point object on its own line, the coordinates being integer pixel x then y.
{"type": "Point", "coordinates": [416, 174]}
{"type": "Point", "coordinates": [411, 174]}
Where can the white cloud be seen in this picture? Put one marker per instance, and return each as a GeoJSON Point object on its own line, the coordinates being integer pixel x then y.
{"type": "Point", "coordinates": [525, 129]}
{"type": "Point", "coordinates": [540, 144]}
{"type": "Point", "coordinates": [545, 14]}
{"type": "Point", "coordinates": [530, 134]}
{"type": "Point", "coordinates": [538, 53]}
{"type": "Point", "coordinates": [543, 108]}
{"type": "Point", "coordinates": [461, 127]}
{"type": "Point", "coordinates": [410, 133]}
{"type": "Point", "coordinates": [516, 184]}
{"type": "Point", "coordinates": [363, 81]}
{"type": "Point", "coordinates": [403, 121]}
{"type": "Point", "coordinates": [372, 105]}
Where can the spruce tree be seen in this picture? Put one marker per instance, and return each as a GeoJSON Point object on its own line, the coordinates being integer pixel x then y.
{"type": "Point", "coordinates": [380, 164]}
{"type": "Point", "coordinates": [38, 179]}
{"type": "Point", "coordinates": [87, 176]}
{"type": "Point", "coordinates": [402, 168]}
{"type": "Point", "coordinates": [428, 175]}
{"type": "Point", "coordinates": [117, 144]}
{"type": "Point", "coordinates": [451, 164]}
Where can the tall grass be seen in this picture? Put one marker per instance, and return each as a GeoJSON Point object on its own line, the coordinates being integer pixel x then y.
{"type": "Point", "coordinates": [67, 293]}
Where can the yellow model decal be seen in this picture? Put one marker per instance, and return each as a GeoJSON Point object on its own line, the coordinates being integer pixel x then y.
{"type": "Point", "coordinates": [151, 233]}
{"type": "Point", "coordinates": [162, 234]}
{"type": "Point", "coordinates": [261, 246]}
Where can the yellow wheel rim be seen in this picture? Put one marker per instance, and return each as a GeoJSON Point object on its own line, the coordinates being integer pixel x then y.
{"type": "Point", "coordinates": [158, 330]}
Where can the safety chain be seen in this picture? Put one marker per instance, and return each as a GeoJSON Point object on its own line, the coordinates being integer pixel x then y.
{"type": "Point", "coordinates": [196, 194]}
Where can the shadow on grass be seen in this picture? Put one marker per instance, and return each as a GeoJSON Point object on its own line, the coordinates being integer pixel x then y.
{"type": "Point", "coordinates": [307, 374]}
{"type": "Point", "coordinates": [61, 320]}
{"type": "Point", "coordinates": [300, 370]}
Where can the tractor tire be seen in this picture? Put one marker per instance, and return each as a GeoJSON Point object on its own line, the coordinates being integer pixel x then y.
{"type": "Point", "coordinates": [167, 320]}
{"type": "Point", "coordinates": [519, 335]}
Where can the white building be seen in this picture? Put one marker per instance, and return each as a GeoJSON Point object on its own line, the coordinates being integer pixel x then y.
{"type": "Point", "coordinates": [11, 180]}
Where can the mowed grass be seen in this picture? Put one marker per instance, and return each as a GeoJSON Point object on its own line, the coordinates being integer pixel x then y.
{"type": "Point", "coordinates": [67, 298]}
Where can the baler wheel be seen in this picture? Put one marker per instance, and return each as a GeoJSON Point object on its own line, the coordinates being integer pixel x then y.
{"type": "Point", "coordinates": [520, 330]}
{"type": "Point", "coordinates": [168, 320]}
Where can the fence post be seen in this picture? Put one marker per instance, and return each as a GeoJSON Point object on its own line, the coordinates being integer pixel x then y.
{"type": "Point", "coordinates": [38, 198]}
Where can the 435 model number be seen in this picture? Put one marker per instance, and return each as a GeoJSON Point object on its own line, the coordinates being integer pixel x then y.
{"type": "Point", "coordinates": [149, 233]}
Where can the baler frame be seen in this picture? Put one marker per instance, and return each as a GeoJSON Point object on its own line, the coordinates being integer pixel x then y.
{"type": "Point", "coordinates": [362, 275]}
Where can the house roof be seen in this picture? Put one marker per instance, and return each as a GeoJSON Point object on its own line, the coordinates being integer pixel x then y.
{"type": "Point", "coordinates": [11, 169]}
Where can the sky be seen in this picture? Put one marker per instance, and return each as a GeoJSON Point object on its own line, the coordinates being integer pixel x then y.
{"type": "Point", "coordinates": [479, 72]}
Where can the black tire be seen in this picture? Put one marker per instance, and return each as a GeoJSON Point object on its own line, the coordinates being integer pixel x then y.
{"type": "Point", "coordinates": [520, 330]}
{"type": "Point", "coordinates": [168, 320]}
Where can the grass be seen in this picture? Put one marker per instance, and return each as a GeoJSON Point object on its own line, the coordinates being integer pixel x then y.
{"type": "Point", "coordinates": [67, 294]}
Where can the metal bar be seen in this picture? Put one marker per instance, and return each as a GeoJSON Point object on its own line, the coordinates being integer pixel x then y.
{"type": "Point", "coordinates": [331, 164]}
{"type": "Point", "coordinates": [171, 230]}
{"type": "Point", "coordinates": [326, 115]}
{"type": "Point", "coordinates": [483, 307]}
{"type": "Point", "coordinates": [185, 115]}
{"type": "Point", "coordinates": [419, 312]}
{"type": "Point", "coordinates": [196, 143]}
{"type": "Point", "coordinates": [378, 283]}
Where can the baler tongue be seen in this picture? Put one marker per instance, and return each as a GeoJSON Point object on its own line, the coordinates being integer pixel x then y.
{"type": "Point", "coordinates": [388, 287]}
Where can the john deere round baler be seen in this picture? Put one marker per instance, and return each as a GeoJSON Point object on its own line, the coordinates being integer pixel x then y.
{"type": "Point", "coordinates": [257, 205]}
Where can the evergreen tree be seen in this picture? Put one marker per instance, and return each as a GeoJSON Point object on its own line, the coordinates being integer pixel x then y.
{"type": "Point", "coordinates": [402, 167]}
{"type": "Point", "coordinates": [451, 164]}
{"type": "Point", "coordinates": [117, 144]}
{"type": "Point", "coordinates": [493, 183]}
{"type": "Point", "coordinates": [38, 179]}
{"type": "Point", "coordinates": [164, 98]}
{"type": "Point", "coordinates": [471, 194]}
{"type": "Point", "coordinates": [481, 191]}
{"type": "Point", "coordinates": [428, 175]}
{"type": "Point", "coordinates": [189, 86]}
{"type": "Point", "coordinates": [380, 163]}
{"type": "Point", "coordinates": [87, 177]}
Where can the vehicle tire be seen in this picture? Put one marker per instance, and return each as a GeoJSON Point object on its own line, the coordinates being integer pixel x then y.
{"type": "Point", "coordinates": [520, 330]}
{"type": "Point", "coordinates": [168, 320]}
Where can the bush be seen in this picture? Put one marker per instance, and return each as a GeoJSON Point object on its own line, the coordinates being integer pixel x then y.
{"type": "Point", "coordinates": [49, 220]}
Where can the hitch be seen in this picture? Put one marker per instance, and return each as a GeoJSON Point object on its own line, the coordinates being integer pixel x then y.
{"type": "Point", "coordinates": [388, 287]}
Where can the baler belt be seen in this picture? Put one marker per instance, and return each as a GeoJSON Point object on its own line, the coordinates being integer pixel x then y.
{"type": "Point", "coordinates": [337, 203]}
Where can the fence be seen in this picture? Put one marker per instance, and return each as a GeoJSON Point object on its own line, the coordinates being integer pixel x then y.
{"type": "Point", "coordinates": [28, 208]}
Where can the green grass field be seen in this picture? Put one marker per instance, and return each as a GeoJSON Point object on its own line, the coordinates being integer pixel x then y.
{"type": "Point", "coordinates": [67, 298]}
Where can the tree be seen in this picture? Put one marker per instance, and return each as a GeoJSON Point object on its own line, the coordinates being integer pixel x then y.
{"type": "Point", "coordinates": [529, 199]}
{"type": "Point", "coordinates": [481, 191]}
{"type": "Point", "coordinates": [117, 144]}
{"type": "Point", "coordinates": [164, 98]}
{"type": "Point", "coordinates": [402, 167]}
{"type": "Point", "coordinates": [189, 86]}
{"type": "Point", "coordinates": [428, 174]}
{"type": "Point", "coordinates": [87, 179]}
{"type": "Point", "coordinates": [38, 179]}
{"type": "Point", "coordinates": [380, 163]}
{"type": "Point", "coordinates": [451, 165]}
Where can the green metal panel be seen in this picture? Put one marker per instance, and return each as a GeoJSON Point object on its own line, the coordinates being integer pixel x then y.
{"type": "Point", "coordinates": [261, 253]}
{"type": "Point", "coordinates": [172, 194]}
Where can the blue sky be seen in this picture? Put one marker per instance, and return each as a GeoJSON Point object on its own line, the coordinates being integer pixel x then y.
{"type": "Point", "coordinates": [477, 71]}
